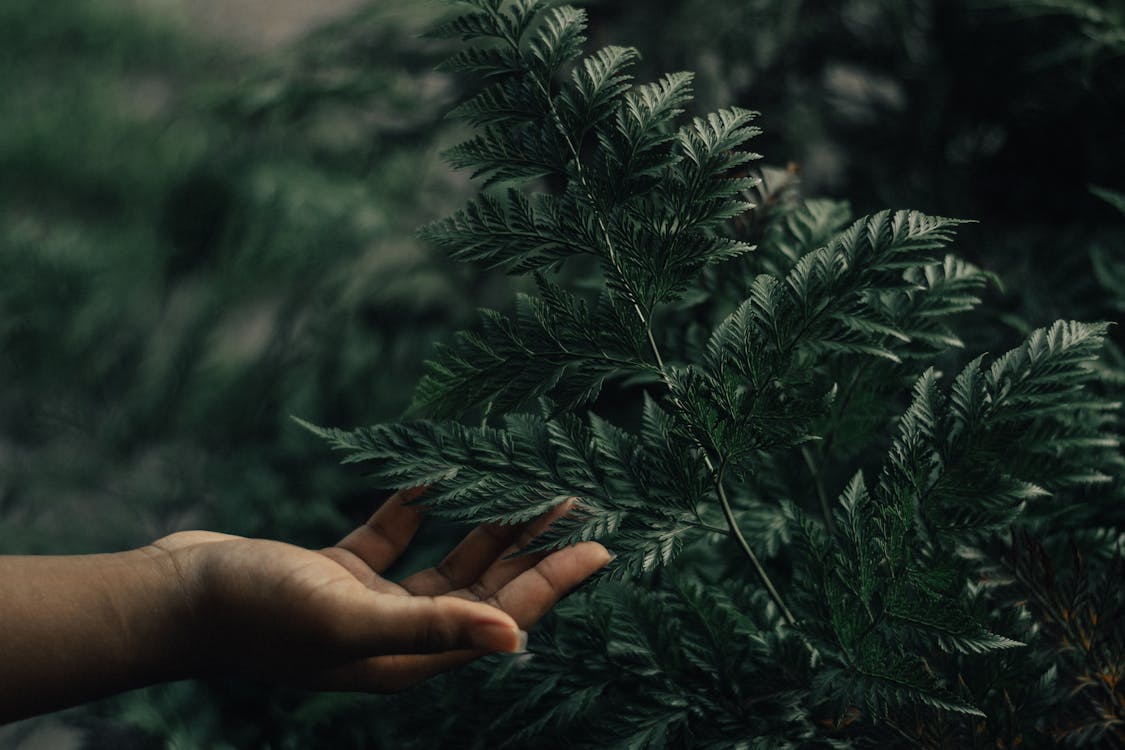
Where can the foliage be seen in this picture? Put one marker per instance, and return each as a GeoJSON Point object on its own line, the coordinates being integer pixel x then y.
{"type": "Point", "coordinates": [195, 265]}
{"type": "Point", "coordinates": [225, 242]}
{"type": "Point", "coordinates": [883, 612]}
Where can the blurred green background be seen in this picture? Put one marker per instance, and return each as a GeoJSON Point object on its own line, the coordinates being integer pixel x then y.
{"type": "Point", "coordinates": [206, 225]}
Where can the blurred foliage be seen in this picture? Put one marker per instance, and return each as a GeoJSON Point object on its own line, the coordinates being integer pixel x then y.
{"type": "Point", "coordinates": [195, 244]}
{"type": "Point", "coordinates": [195, 247]}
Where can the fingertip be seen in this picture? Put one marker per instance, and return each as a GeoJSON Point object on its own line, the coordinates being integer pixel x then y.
{"type": "Point", "coordinates": [406, 496]}
{"type": "Point", "coordinates": [497, 635]}
{"type": "Point", "coordinates": [562, 509]}
{"type": "Point", "coordinates": [596, 553]}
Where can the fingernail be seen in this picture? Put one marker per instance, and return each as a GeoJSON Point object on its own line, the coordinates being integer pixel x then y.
{"type": "Point", "coordinates": [497, 636]}
{"type": "Point", "coordinates": [612, 556]}
{"type": "Point", "coordinates": [522, 647]}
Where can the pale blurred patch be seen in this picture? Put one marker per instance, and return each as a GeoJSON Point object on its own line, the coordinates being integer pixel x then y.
{"type": "Point", "coordinates": [255, 24]}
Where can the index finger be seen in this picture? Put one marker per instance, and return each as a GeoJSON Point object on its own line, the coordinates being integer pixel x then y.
{"type": "Point", "coordinates": [532, 593]}
{"type": "Point", "coordinates": [381, 540]}
{"type": "Point", "coordinates": [525, 599]}
{"type": "Point", "coordinates": [477, 555]}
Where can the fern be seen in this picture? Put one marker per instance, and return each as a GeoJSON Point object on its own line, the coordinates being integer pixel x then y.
{"type": "Point", "coordinates": [692, 670]}
{"type": "Point", "coordinates": [959, 466]}
{"type": "Point", "coordinates": [675, 394]}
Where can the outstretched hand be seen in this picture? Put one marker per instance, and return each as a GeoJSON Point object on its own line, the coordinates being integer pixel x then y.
{"type": "Point", "coordinates": [329, 619]}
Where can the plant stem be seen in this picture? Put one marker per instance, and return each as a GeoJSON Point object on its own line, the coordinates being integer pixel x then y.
{"type": "Point", "coordinates": [709, 527]}
{"type": "Point", "coordinates": [716, 475]}
{"type": "Point", "coordinates": [746, 548]}
{"type": "Point", "coordinates": [825, 510]}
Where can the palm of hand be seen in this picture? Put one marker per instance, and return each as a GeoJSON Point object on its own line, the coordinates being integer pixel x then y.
{"type": "Point", "coordinates": [329, 619]}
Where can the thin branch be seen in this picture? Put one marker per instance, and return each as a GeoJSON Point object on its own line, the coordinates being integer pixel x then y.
{"type": "Point", "coordinates": [737, 534]}
{"type": "Point", "coordinates": [709, 527]}
{"type": "Point", "coordinates": [716, 475]}
{"type": "Point", "coordinates": [814, 470]}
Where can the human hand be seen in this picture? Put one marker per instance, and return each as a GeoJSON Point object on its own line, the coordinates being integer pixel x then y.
{"type": "Point", "coordinates": [328, 619]}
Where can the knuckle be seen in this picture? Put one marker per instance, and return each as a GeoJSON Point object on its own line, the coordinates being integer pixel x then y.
{"type": "Point", "coordinates": [445, 570]}
{"type": "Point", "coordinates": [548, 571]}
{"type": "Point", "coordinates": [479, 590]}
{"type": "Point", "coordinates": [498, 532]}
{"type": "Point", "coordinates": [438, 628]}
{"type": "Point", "coordinates": [526, 538]}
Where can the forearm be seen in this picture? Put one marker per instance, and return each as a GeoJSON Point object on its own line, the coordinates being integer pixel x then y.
{"type": "Point", "coordinates": [81, 627]}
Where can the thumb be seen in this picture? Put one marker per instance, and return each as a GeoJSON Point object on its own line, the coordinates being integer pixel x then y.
{"type": "Point", "coordinates": [386, 624]}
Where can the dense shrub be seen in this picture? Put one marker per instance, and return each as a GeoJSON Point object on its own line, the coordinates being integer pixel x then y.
{"type": "Point", "coordinates": [229, 242]}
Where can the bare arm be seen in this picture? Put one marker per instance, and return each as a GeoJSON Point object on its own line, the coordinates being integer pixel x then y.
{"type": "Point", "coordinates": [74, 628]}
{"type": "Point", "coordinates": [77, 628]}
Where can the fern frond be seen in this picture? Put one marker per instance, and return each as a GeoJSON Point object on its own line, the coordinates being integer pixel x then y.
{"type": "Point", "coordinates": [520, 154]}
{"type": "Point", "coordinates": [627, 498]}
{"type": "Point", "coordinates": [807, 344]}
{"type": "Point", "coordinates": [599, 82]}
{"type": "Point", "coordinates": [516, 231]}
{"type": "Point", "coordinates": [961, 464]}
{"type": "Point", "coordinates": [555, 346]}
{"type": "Point", "coordinates": [558, 40]}
{"type": "Point", "coordinates": [633, 148]}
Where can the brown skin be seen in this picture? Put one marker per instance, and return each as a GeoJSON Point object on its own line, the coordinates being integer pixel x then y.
{"type": "Point", "coordinates": [197, 603]}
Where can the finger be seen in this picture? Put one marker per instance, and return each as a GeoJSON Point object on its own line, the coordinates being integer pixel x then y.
{"type": "Point", "coordinates": [467, 560]}
{"type": "Point", "coordinates": [362, 572]}
{"type": "Point", "coordinates": [375, 624]}
{"type": "Point", "coordinates": [532, 594]}
{"type": "Point", "coordinates": [478, 552]}
{"type": "Point", "coordinates": [381, 540]}
{"type": "Point", "coordinates": [387, 674]}
{"type": "Point", "coordinates": [527, 599]}
{"type": "Point", "coordinates": [507, 568]}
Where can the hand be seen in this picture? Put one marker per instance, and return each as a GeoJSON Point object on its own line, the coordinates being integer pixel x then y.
{"type": "Point", "coordinates": [330, 620]}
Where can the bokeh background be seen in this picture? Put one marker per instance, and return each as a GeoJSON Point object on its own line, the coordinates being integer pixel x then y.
{"type": "Point", "coordinates": [207, 215]}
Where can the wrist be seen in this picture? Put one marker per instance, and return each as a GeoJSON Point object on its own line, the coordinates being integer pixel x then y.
{"type": "Point", "coordinates": [78, 627]}
{"type": "Point", "coordinates": [171, 642]}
